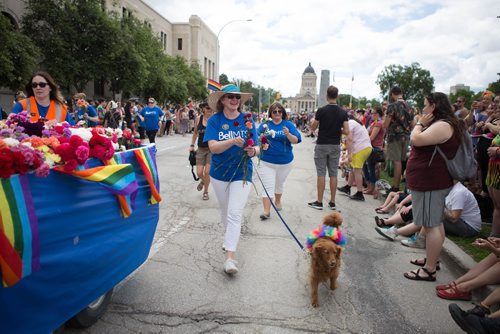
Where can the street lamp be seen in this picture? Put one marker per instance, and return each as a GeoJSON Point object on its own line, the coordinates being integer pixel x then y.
{"type": "Point", "coordinates": [218, 51]}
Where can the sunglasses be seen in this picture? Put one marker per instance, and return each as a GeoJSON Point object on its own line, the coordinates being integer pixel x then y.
{"type": "Point", "coordinates": [276, 111]}
{"type": "Point", "coordinates": [460, 101]}
{"type": "Point", "coordinates": [233, 96]}
{"type": "Point", "coordinates": [41, 84]}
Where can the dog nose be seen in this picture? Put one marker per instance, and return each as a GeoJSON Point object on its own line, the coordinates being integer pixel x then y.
{"type": "Point", "coordinates": [333, 264]}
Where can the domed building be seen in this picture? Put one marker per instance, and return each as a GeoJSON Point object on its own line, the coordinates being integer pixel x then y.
{"type": "Point", "coordinates": [306, 100]}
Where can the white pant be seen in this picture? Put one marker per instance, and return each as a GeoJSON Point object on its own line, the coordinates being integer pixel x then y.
{"type": "Point", "coordinates": [232, 198]}
{"type": "Point", "coordinates": [273, 177]}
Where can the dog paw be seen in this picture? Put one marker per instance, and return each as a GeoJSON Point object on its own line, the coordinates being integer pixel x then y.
{"type": "Point", "coordinates": [315, 304]}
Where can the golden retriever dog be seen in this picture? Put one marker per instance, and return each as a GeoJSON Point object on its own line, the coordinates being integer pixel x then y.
{"type": "Point", "coordinates": [325, 257]}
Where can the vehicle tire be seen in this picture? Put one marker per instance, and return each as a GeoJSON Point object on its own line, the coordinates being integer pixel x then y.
{"type": "Point", "coordinates": [89, 315]}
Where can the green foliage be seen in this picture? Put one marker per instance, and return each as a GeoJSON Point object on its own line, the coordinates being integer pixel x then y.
{"type": "Point", "coordinates": [494, 87]}
{"type": "Point", "coordinates": [18, 58]}
{"type": "Point", "coordinates": [223, 80]}
{"type": "Point", "coordinates": [415, 82]}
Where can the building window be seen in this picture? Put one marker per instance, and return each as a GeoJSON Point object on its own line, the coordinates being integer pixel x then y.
{"type": "Point", "coordinates": [205, 72]}
{"type": "Point", "coordinates": [179, 43]}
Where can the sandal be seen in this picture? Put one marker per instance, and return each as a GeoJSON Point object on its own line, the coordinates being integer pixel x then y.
{"type": "Point", "coordinates": [380, 211]}
{"type": "Point", "coordinates": [422, 262]}
{"type": "Point", "coordinates": [380, 222]}
{"type": "Point", "coordinates": [200, 186]}
{"type": "Point", "coordinates": [453, 293]}
{"type": "Point", "coordinates": [205, 196]}
{"type": "Point", "coordinates": [264, 216]}
{"type": "Point", "coordinates": [431, 277]}
{"type": "Point", "coordinates": [446, 286]}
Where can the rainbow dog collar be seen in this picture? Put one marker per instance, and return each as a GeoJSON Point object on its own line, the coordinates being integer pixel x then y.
{"type": "Point", "coordinates": [325, 231]}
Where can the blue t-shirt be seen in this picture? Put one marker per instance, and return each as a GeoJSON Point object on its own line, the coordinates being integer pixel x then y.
{"type": "Point", "coordinates": [280, 149]}
{"type": "Point", "coordinates": [151, 117]}
{"type": "Point", "coordinates": [90, 111]}
{"type": "Point", "coordinates": [228, 166]}
{"type": "Point", "coordinates": [42, 111]}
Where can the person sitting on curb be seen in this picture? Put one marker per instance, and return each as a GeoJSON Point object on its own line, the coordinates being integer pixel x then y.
{"type": "Point", "coordinates": [462, 217]}
{"type": "Point", "coordinates": [478, 319]}
{"type": "Point", "coordinates": [392, 199]}
{"type": "Point", "coordinates": [484, 273]}
{"type": "Point", "coordinates": [403, 214]}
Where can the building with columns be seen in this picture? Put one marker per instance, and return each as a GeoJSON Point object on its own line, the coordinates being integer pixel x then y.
{"type": "Point", "coordinates": [306, 100]}
{"type": "Point", "coordinates": [192, 40]}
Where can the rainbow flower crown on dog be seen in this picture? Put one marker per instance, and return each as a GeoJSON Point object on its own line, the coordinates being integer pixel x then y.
{"type": "Point", "coordinates": [325, 231]}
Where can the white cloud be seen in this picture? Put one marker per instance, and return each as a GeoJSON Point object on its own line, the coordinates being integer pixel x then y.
{"type": "Point", "coordinates": [456, 40]}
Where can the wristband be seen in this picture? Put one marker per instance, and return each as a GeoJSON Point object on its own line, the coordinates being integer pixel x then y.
{"type": "Point", "coordinates": [191, 145]}
{"type": "Point", "coordinates": [418, 123]}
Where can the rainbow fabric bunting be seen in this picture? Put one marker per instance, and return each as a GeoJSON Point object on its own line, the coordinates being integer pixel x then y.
{"type": "Point", "coordinates": [148, 165]}
{"type": "Point", "coordinates": [214, 85]}
{"type": "Point", "coordinates": [19, 242]}
{"type": "Point", "coordinates": [325, 231]}
{"type": "Point", "coordinates": [117, 178]}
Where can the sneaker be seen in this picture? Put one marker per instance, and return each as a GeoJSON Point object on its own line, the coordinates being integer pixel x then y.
{"type": "Point", "coordinates": [358, 196]}
{"type": "Point", "coordinates": [388, 233]}
{"type": "Point", "coordinates": [332, 206]}
{"type": "Point", "coordinates": [316, 205]}
{"type": "Point", "coordinates": [346, 190]}
{"type": "Point", "coordinates": [230, 267]}
{"type": "Point", "coordinates": [415, 241]}
{"type": "Point", "coordinates": [472, 323]}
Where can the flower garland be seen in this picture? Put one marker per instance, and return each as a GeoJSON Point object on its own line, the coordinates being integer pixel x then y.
{"type": "Point", "coordinates": [325, 231]}
{"type": "Point", "coordinates": [42, 145]}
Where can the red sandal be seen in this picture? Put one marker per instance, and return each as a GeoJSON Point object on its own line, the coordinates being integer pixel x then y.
{"type": "Point", "coordinates": [453, 293]}
{"type": "Point", "coordinates": [446, 286]}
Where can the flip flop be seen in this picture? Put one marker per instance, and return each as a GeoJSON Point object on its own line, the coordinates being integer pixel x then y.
{"type": "Point", "coordinates": [422, 262]}
{"type": "Point", "coordinates": [380, 211]}
{"type": "Point", "coordinates": [380, 222]}
{"type": "Point", "coordinates": [200, 186]}
{"type": "Point", "coordinates": [205, 196]}
{"type": "Point", "coordinates": [416, 275]}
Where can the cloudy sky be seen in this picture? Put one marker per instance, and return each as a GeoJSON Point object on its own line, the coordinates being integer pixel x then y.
{"type": "Point", "coordinates": [456, 40]}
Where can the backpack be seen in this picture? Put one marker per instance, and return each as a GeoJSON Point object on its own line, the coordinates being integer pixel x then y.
{"type": "Point", "coordinates": [462, 166]}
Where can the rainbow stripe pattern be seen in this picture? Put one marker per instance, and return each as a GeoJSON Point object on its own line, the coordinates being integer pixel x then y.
{"type": "Point", "coordinates": [325, 231]}
{"type": "Point", "coordinates": [213, 85]}
{"type": "Point", "coordinates": [119, 179]}
{"type": "Point", "coordinates": [148, 166]}
{"type": "Point", "coordinates": [19, 240]}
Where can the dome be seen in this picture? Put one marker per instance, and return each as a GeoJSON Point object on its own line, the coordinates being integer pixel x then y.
{"type": "Point", "coordinates": [309, 69]}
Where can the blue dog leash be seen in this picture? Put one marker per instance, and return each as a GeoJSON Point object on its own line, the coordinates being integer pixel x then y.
{"type": "Point", "coordinates": [279, 215]}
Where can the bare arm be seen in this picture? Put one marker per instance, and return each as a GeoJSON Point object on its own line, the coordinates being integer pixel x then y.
{"type": "Point", "coordinates": [452, 215]}
{"type": "Point", "coordinates": [345, 128]}
{"type": "Point", "coordinates": [374, 133]}
{"type": "Point", "coordinates": [387, 121]}
{"type": "Point", "coordinates": [437, 133]}
{"type": "Point", "coordinates": [314, 125]}
{"type": "Point", "coordinates": [195, 133]}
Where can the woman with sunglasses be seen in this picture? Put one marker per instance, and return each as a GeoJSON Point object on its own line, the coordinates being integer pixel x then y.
{"type": "Point", "coordinates": [228, 138]}
{"type": "Point", "coordinates": [276, 161]}
{"type": "Point", "coordinates": [44, 100]}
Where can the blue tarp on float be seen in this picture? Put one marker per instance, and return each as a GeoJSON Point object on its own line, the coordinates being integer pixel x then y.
{"type": "Point", "coordinates": [86, 248]}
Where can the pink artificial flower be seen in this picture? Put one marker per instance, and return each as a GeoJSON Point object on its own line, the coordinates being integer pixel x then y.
{"type": "Point", "coordinates": [82, 154]}
{"type": "Point", "coordinates": [250, 142]}
{"type": "Point", "coordinates": [43, 170]}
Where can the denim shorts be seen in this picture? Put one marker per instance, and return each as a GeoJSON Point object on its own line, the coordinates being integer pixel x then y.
{"type": "Point", "coordinates": [327, 156]}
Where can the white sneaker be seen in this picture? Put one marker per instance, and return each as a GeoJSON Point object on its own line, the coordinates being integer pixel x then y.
{"type": "Point", "coordinates": [388, 233]}
{"type": "Point", "coordinates": [416, 241]}
{"type": "Point", "coordinates": [230, 267]}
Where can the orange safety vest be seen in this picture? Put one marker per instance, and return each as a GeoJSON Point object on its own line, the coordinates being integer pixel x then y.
{"type": "Point", "coordinates": [56, 111]}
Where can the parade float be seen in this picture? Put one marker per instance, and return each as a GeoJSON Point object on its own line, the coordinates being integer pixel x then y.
{"type": "Point", "coordinates": [78, 212]}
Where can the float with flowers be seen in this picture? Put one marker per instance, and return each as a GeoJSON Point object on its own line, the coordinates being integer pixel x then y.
{"type": "Point", "coordinates": [78, 212]}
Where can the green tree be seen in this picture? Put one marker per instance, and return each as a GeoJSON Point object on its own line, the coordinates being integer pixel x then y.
{"type": "Point", "coordinates": [223, 79]}
{"type": "Point", "coordinates": [415, 81]}
{"type": "Point", "coordinates": [75, 38]}
{"type": "Point", "coordinates": [18, 58]}
{"type": "Point", "coordinates": [494, 87]}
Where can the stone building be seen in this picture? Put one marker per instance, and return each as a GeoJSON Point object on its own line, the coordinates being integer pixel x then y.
{"type": "Point", "coordinates": [193, 40]}
{"type": "Point", "coordinates": [306, 100]}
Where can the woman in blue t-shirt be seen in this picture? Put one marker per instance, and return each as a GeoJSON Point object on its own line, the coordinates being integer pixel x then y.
{"type": "Point", "coordinates": [150, 118]}
{"type": "Point", "coordinates": [277, 159]}
{"type": "Point", "coordinates": [231, 137]}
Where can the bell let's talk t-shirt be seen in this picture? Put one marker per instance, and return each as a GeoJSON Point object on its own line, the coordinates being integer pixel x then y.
{"type": "Point", "coordinates": [331, 119]}
{"type": "Point", "coordinates": [228, 166]}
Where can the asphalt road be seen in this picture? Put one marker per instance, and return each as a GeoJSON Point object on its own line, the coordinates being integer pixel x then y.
{"type": "Point", "coordinates": [183, 289]}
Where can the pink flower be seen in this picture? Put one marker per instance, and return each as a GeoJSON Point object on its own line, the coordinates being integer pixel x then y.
{"type": "Point", "coordinates": [250, 142]}
{"type": "Point", "coordinates": [43, 170]}
{"type": "Point", "coordinates": [75, 141]}
{"type": "Point", "coordinates": [82, 154]}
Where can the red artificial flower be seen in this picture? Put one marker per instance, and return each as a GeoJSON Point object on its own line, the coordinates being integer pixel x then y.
{"type": "Point", "coordinates": [263, 140]}
{"type": "Point", "coordinates": [64, 151]}
{"type": "Point", "coordinates": [250, 142]}
{"type": "Point", "coordinates": [59, 129]}
{"type": "Point", "coordinates": [70, 165]}
{"type": "Point", "coordinates": [236, 123]}
{"type": "Point", "coordinates": [20, 166]}
{"type": "Point", "coordinates": [75, 141]}
{"type": "Point", "coordinates": [248, 116]}
{"type": "Point", "coordinates": [6, 163]}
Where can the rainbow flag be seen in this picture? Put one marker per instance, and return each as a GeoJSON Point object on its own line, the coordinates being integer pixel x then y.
{"type": "Point", "coordinates": [19, 242]}
{"type": "Point", "coordinates": [117, 178]}
{"type": "Point", "coordinates": [148, 165]}
{"type": "Point", "coordinates": [214, 85]}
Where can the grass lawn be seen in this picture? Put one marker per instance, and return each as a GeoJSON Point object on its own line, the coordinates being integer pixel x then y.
{"type": "Point", "coordinates": [465, 243]}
